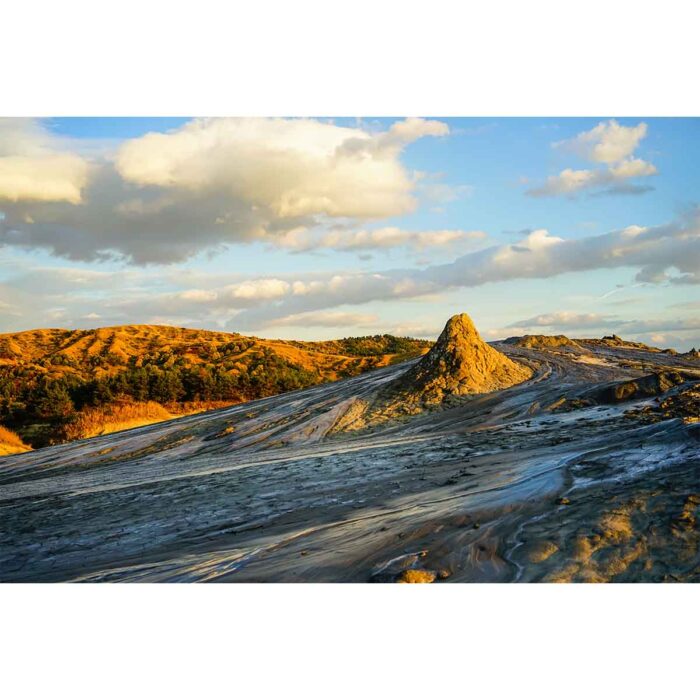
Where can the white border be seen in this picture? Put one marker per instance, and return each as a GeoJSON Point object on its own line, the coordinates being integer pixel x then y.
{"type": "Point", "coordinates": [359, 57]}
{"type": "Point", "coordinates": [146, 57]}
{"type": "Point", "coordinates": [348, 641]}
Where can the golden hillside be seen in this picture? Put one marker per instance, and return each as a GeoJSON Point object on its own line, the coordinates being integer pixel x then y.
{"type": "Point", "coordinates": [58, 384]}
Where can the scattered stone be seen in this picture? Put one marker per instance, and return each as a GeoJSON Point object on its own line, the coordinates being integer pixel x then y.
{"type": "Point", "coordinates": [683, 404]}
{"type": "Point", "coordinates": [642, 388]}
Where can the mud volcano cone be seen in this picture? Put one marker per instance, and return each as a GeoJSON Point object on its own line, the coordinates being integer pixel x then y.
{"type": "Point", "coordinates": [461, 363]}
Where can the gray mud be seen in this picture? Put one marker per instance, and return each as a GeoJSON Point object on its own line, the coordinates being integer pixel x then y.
{"type": "Point", "coordinates": [497, 487]}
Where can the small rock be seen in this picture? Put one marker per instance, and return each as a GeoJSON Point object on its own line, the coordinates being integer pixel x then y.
{"type": "Point", "coordinates": [564, 501]}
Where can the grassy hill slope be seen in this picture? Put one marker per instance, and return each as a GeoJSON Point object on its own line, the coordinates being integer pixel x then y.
{"type": "Point", "coordinates": [58, 385]}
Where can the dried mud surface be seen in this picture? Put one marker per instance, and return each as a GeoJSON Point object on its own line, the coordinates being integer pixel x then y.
{"type": "Point", "coordinates": [530, 483]}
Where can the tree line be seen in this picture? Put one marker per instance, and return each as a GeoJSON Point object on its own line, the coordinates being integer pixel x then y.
{"type": "Point", "coordinates": [28, 397]}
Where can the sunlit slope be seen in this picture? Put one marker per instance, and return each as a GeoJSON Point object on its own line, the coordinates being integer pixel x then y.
{"type": "Point", "coordinates": [58, 385]}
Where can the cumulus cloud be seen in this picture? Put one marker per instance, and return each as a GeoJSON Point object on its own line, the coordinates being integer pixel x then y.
{"type": "Point", "coordinates": [608, 143]}
{"type": "Point", "coordinates": [291, 167]}
{"type": "Point", "coordinates": [33, 168]}
{"type": "Point", "coordinates": [166, 196]}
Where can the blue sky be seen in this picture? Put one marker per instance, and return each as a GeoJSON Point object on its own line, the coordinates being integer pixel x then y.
{"type": "Point", "coordinates": [321, 228]}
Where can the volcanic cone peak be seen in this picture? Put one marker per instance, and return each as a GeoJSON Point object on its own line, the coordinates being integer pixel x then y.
{"type": "Point", "coordinates": [461, 363]}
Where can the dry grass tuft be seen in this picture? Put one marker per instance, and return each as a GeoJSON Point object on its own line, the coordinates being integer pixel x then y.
{"type": "Point", "coordinates": [11, 443]}
{"type": "Point", "coordinates": [118, 416]}
{"type": "Point", "coordinates": [416, 576]}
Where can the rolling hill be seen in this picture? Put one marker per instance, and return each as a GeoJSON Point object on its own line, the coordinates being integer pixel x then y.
{"type": "Point", "coordinates": [58, 385]}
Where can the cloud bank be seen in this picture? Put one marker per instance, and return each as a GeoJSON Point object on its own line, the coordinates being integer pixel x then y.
{"type": "Point", "coordinates": [302, 239]}
{"type": "Point", "coordinates": [163, 197]}
{"type": "Point", "coordinates": [668, 254]}
{"type": "Point", "coordinates": [663, 254]}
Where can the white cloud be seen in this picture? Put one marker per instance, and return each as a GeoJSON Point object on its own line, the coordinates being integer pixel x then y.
{"type": "Point", "coordinates": [34, 169]}
{"type": "Point", "coordinates": [257, 290]}
{"type": "Point", "coordinates": [167, 196]}
{"type": "Point", "coordinates": [569, 181]}
{"type": "Point", "coordinates": [633, 167]}
{"type": "Point", "coordinates": [292, 167]}
{"type": "Point", "coordinates": [608, 142]}
{"type": "Point", "coordinates": [199, 295]}
{"type": "Point", "coordinates": [302, 239]}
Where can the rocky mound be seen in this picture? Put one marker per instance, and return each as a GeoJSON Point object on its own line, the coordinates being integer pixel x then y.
{"type": "Point", "coordinates": [460, 363]}
{"type": "Point", "coordinates": [642, 388]}
{"type": "Point", "coordinates": [542, 342]}
{"type": "Point", "coordinates": [692, 354]}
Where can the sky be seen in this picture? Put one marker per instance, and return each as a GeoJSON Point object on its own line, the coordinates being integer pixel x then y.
{"type": "Point", "coordinates": [320, 228]}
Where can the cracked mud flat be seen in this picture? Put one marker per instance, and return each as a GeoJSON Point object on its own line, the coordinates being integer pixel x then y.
{"type": "Point", "coordinates": [496, 488]}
